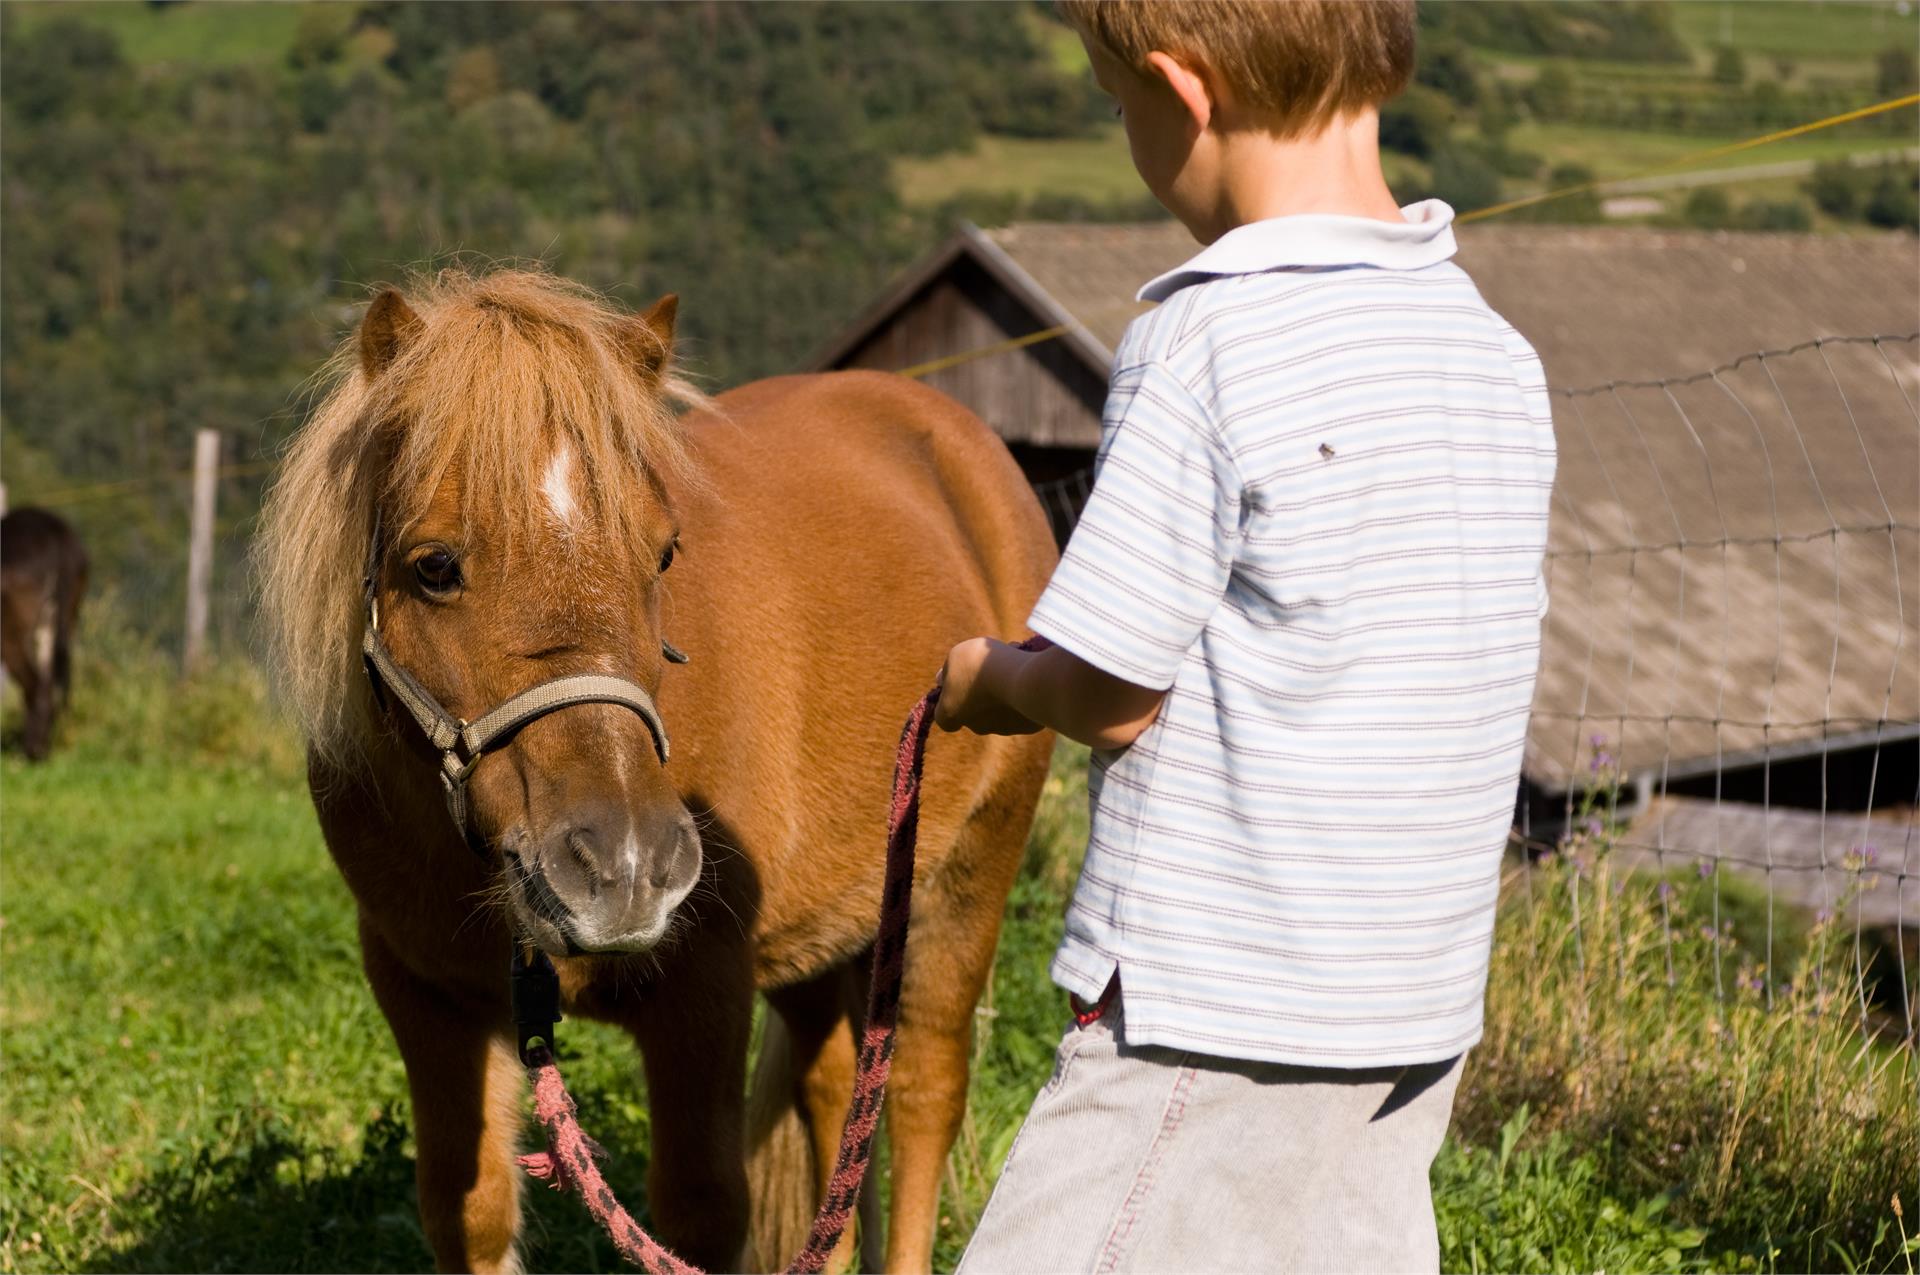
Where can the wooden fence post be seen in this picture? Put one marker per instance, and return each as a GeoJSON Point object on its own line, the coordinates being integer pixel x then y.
{"type": "Point", "coordinates": [206, 471]}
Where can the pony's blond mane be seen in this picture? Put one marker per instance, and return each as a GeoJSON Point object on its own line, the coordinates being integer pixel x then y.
{"type": "Point", "coordinates": [505, 366]}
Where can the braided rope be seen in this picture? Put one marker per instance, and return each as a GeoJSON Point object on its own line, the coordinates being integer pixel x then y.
{"type": "Point", "coordinates": [568, 1163]}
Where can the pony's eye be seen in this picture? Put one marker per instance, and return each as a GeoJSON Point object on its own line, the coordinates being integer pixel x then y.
{"type": "Point", "coordinates": [666, 556]}
{"type": "Point", "coordinates": [438, 570]}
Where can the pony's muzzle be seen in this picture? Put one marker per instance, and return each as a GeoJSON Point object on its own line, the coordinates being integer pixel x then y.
{"type": "Point", "coordinates": [605, 880]}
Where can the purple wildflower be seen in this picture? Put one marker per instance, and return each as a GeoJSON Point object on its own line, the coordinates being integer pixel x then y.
{"type": "Point", "coordinates": [1594, 826]}
{"type": "Point", "coordinates": [1705, 868]}
{"type": "Point", "coordinates": [1666, 889]}
{"type": "Point", "coordinates": [1860, 856]}
{"type": "Point", "coordinates": [1598, 741]}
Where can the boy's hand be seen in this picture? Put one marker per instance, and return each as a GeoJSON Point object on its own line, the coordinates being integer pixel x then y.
{"type": "Point", "coordinates": [967, 692]}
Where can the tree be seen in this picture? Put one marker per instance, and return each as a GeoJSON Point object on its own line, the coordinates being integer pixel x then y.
{"type": "Point", "coordinates": [1898, 72]}
{"type": "Point", "coordinates": [1551, 93]}
{"type": "Point", "coordinates": [1581, 207]}
{"type": "Point", "coordinates": [1782, 215]}
{"type": "Point", "coordinates": [60, 62]}
{"type": "Point", "coordinates": [1894, 202]}
{"type": "Point", "coordinates": [1416, 123]}
{"type": "Point", "coordinates": [1463, 179]}
{"type": "Point", "coordinates": [1729, 66]}
{"type": "Point", "coordinates": [1708, 208]}
{"type": "Point", "coordinates": [1835, 187]}
{"type": "Point", "coordinates": [1447, 66]}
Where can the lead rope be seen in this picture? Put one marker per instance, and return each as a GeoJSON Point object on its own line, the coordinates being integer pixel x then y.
{"type": "Point", "coordinates": [568, 1163]}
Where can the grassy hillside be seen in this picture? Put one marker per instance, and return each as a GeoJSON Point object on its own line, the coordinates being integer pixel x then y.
{"type": "Point", "coordinates": [1812, 56]}
{"type": "Point", "coordinates": [241, 33]}
{"type": "Point", "coordinates": [1836, 30]}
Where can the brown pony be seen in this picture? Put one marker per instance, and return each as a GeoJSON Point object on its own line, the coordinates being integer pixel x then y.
{"type": "Point", "coordinates": [43, 576]}
{"type": "Point", "coordinates": [498, 461]}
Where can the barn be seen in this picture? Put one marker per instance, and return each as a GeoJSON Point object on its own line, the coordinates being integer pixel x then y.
{"type": "Point", "coordinates": [1734, 564]}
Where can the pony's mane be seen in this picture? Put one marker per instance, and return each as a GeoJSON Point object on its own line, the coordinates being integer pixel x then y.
{"type": "Point", "coordinates": [505, 366]}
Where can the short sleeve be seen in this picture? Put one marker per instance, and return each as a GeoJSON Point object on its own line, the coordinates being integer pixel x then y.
{"type": "Point", "coordinates": [1149, 560]}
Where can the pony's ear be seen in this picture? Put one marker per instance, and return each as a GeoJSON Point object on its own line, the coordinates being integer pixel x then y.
{"type": "Point", "coordinates": [390, 326]}
{"type": "Point", "coordinates": [649, 338]}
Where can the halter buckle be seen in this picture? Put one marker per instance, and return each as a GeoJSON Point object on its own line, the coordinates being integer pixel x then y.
{"type": "Point", "coordinates": [534, 990]}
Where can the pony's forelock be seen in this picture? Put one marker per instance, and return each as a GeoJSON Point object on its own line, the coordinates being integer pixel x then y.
{"type": "Point", "coordinates": [506, 366]}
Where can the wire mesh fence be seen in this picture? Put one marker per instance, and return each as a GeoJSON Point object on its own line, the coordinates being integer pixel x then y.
{"type": "Point", "coordinates": [1730, 673]}
{"type": "Point", "coordinates": [1728, 680]}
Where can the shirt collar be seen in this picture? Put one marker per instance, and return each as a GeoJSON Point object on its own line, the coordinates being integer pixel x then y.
{"type": "Point", "coordinates": [1318, 239]}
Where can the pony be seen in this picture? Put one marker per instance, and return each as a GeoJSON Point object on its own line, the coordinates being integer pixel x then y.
{"type": "Point", "coordinates": [43, 577]}
{"type": "Point", "coordinates": [497, 478]}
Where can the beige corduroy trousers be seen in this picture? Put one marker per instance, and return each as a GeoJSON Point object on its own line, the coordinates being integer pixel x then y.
{"type": "Point", "coordinates": [1143, 1159]}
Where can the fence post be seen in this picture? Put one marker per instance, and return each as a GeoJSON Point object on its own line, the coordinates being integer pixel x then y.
{"type": "Point", "coordinates": [206, 469]}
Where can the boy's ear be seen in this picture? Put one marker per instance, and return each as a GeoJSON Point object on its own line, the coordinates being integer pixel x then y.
{"type": "Point", "coordinates": [1191, 83]}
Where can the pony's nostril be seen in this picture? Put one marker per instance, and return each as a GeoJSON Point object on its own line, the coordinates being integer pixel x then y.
{"type": "Point", "coordinates": [681, 839]}
{"type": "Point", "coordinates": [579, 843]}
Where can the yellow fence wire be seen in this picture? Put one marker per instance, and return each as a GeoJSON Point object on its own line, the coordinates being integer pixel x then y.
{"type": "Point", "coordinates": [1684, 163]}
{"type": "Point", "coordinates": [94, 491]}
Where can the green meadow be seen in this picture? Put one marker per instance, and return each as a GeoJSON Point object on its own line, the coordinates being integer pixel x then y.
{"type": "Point", "coordinates": [198, 1079]}
{"type": "Point", "coordinates": [1825, 48]}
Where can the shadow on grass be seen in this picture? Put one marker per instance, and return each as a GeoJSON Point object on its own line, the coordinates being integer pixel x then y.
{"type": "Point", "coordinates": [280, 1206]}
{"type": "Point", "coordinates": [283, 1206]}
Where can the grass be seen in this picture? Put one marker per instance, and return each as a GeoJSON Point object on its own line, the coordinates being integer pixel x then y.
{"type": "Point", "coordinates": [1617, 152]}
{"type": "Point", "coordinates": [241, 32]}
{"type": "Point", "coordinates": [1095, 168]}
{"type": "Point", "coordinates": [1799, 29]}
{"type": "Point", "coordinates": [197, 1077]}
{"type": "Point", "coordinates": [1829, 40]}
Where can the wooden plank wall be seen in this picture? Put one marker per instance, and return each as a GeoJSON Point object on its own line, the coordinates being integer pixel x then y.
{"type": "Point", "coordinates": [1041, 395]}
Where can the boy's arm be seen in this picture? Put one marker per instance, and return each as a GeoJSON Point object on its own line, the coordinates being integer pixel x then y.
{"type": "Point", "coordinates": [995, 689]}
{"type": "Point", "coordinates": [1147, 565]}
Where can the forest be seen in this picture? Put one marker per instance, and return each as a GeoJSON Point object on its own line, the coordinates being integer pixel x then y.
{"type": "Point", "coordinates": [196, 197]}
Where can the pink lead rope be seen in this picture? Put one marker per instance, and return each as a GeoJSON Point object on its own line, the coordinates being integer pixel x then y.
{"type": "Point", "coordinates": [568, 1161]}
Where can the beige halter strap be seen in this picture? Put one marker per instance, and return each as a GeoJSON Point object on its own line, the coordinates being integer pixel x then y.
{"type": "Point", "coordinates": [463, 743]}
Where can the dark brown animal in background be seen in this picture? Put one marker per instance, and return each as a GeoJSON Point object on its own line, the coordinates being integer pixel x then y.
{"type": "Point", "coordinates": [43, 576]}
{"type": "Point", "coordinates": [829, 537]}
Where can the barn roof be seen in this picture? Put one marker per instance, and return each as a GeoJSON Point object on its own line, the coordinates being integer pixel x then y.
{"type": "Point", "coordinates": [1598, 302]}
{"type": "Point", "coordinates": [1734, 560]}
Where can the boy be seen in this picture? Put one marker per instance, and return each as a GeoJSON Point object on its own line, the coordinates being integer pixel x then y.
{"type": "Point", "coordinates": [1298, 623]}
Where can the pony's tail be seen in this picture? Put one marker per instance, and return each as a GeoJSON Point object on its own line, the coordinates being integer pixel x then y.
{"type": "Point", "coordinates": [779, 1155]}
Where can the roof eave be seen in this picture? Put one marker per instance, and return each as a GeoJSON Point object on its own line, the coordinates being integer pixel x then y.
{"type": "Point", "coordinates": [972, 242]}
{"type": "Point", "coordinates": [1014, 277]}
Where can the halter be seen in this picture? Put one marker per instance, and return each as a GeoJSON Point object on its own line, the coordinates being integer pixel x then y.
{"type": "Point", "coordinates": [462, 743]}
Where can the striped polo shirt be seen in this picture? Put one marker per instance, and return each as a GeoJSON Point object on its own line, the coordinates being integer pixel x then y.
{"type": "Point", "coordinates": [1317, 521]}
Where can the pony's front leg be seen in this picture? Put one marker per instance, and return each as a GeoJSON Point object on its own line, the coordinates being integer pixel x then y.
{"type": "Point", "coordinates": [466, 1086]}
{"type": "Point", "coordinates": [692, 1028]}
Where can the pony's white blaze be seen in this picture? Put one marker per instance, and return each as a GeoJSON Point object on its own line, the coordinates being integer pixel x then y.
{"type": "Point", "coordinates": [557, 486]}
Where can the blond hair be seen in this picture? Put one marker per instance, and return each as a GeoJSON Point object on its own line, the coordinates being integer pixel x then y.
{"type": "Point", "coordinates": [1303, 63]}
{"type": "Point", "coordinates": [504, 366]}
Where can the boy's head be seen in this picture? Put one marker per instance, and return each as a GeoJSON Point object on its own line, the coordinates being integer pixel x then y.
{"type": "Point", "coordinates": [1284, 69]}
